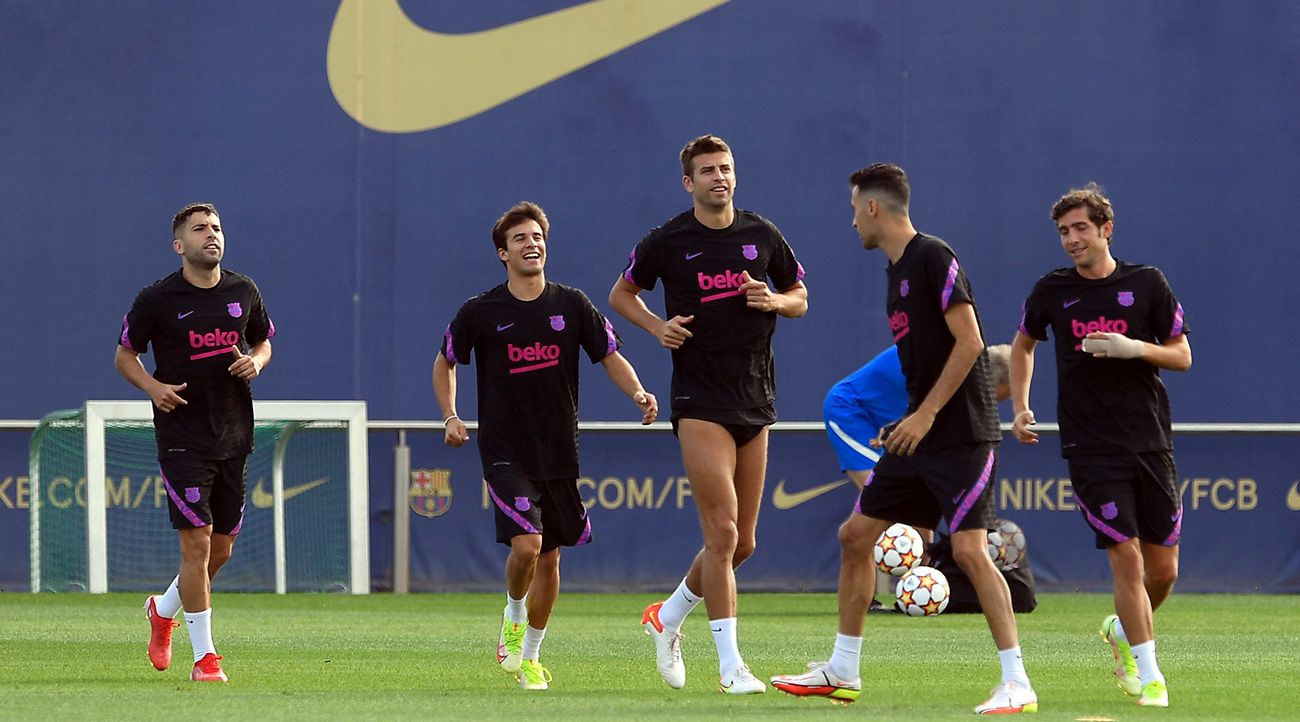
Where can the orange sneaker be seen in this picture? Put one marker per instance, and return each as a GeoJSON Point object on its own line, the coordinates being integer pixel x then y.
{"type": "Point", "coordinates": [160, 636]}
{"type": "Point", "coordinates": [208, 669]}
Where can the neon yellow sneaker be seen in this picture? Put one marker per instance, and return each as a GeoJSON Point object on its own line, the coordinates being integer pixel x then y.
{"type": "Point", "coordinates": [532, 675]}
{"type": "Point", "coordinates": [510, 645]}
{"type": "Point", "coordinates": [1154, 694]}
{"type": "Point", "coordinates": [1126, 667]}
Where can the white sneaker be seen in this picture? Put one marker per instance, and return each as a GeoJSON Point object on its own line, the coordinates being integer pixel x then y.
{"type": "Point", "coordinates": [819, 681]}
{"type": "Point", "coordinates": [1010, 698]}
{"type": "Point", "coordinates": [741, 681]}
{"type": "Point", "coordinates": [668, 647]}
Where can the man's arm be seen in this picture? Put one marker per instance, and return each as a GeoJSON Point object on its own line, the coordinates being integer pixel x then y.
{"type": "Point", "coordinates": [625, 378]}
{"type": "Point", "coordinates": [165, 396]}
{"type": "Point", "coordinates": [1022, 375]}
{"type": "Point", "coordinates": [625, 298]}
{"type": "Point", "coordinates": [967, 346]}
{"type": "Point", "coordinates": [444, 390]}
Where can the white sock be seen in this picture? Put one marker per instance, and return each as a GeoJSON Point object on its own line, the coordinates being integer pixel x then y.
{"type": "Point", "coordinates": [169, 603]}
{"type": "Point", "coordinates": [677, 606]}
{"type": "Point", "coordinates": [1148, 670]}
{"type": "Point", "coordinates": [199, 625]}
{"type": "Point", "coordinates": [724, 637]}
{"type": "Point", "coordinates": [1119, 631]}
{"type": "Point", "coordinates": [533, 642]}
{"type": "Point", "coordinates": [1013, 666]}
{"type": "Point", "coordinates": [846, 660]}
{"type": "Point", "coordinates": [516, 609]}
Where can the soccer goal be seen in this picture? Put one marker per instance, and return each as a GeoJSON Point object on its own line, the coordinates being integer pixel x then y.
{"type": "Point", "coordinates": [99, 516]}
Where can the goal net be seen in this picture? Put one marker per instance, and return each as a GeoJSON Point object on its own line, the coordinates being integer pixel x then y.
{"type": "Point", "coordinates": [99, 517]}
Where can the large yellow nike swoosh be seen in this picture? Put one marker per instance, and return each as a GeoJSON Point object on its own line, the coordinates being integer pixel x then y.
{"type": "Point", "coordinates": [1293, 497]}
{"type": "Point", "coordinates": [391, 75]}
{"type": "Point", "coordinates": [262, 499]}
{"type": "Point", "coordinates": [783, 500]}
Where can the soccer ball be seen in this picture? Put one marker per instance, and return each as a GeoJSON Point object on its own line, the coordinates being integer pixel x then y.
{"type": "Point", "coordinates": [922, 592]}
{"type": "Point", "coordinates": [997, 549]}
{"type": "Point", "coordinates": [1013, 540]}
{"type": "Point", "coordinates": [898, 550]}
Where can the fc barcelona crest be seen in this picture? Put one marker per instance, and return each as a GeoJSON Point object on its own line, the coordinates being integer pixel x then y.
{"type": "Point", "coordinates": [749, 251]}
{"type": "Point", "coordinates": [557, 323]}
{"type": "Point", "coordinates": [1125, 298]}
{"type": "Point", "coordinates": [430, 492]}
{"type": "Point", "coordinates": [234, 309]}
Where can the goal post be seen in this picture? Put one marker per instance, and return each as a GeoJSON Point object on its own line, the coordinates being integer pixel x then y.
{"type": "Point", "coordinates": [336, 427]}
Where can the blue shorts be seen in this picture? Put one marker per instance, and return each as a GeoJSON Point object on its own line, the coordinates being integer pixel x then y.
{"type": "Point", "coordinates": [860, 404]}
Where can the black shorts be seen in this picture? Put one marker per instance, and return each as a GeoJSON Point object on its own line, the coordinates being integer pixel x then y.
{"type": "Point", "coordinates": [1128, 494]}
{"type": "Point", "coordinates": [955, 483]}
{"type": "Point", "coordinates": [551, 507]}
{"type": "Point", "coordinates": [205, 491]}
{"type": "Point", "coordinates": [744, 425]}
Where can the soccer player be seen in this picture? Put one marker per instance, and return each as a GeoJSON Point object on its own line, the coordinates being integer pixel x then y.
{"type": "Point", "coordinates": [526, 335]}
{"type": "Point", "coordinates": [211, 337]}
{"type": "Point", "coordinates": [1116, 325]}
{"type": "Point", "coordinates": [715, 262]}
{"type": "Point", "coordinates": [942, 453]}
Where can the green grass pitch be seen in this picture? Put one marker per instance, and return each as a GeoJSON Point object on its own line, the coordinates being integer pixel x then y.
{"type": "Point", "coordinates": [430, 656]}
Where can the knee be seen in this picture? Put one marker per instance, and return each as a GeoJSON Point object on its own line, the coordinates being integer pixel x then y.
{"type": "Point", "coordinates": [1163, 574]}
{"type": "Point", "coordinates": [971, 553]}
{"type": "Point", "coordinates": [722, 539]}
{"type": "Point", "coordinates": [744, 550]}
{"type": "Point", "coordinates": [218, 557]}
{"type": "Point", "coordinates": [853, 543]}
{"type": "Point", "coordinates": [195, 548]}
{"type": "Point", "coordinates": [526, 548]}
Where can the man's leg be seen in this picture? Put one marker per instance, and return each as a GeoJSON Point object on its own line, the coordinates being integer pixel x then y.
{"type": "Point", "coordinates": [521, 566]}
{"type": "Point", "coordinates": [709, 456]}
{"type": "Point", "coordinates": [196, 589]}
{"type": "Point", "coordinates": [840, 678]}
{"type": "Point", "coordinates": [711, 459]}
{"type": "Point", "coordinates": [970, 551]}
{"type": "Point", "coordinates": [1014, 694]}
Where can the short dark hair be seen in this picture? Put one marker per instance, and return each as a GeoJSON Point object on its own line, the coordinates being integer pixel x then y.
{"type": "Point", "coordinates": [886, 180]}
{"type": "Point", "coordinates": [1093, 197]}
{"type": "Point", "coordinates": [518, 213]}
{"type": "Point", "coordinates": [184, 214]}
{"type": "Point", "coordinates": [700, 146]}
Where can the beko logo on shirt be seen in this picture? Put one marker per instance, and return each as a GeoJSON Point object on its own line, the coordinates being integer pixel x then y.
{"type": "Point", "coordinates": [898, 324]}
{"type": "Point", "coordinates": [537, 356]}
{"type": "Point", "coordinates": [214, 338]}
{"type": "Point", "coordinates": [1103, 324]}
{"type": "Point", "coordinates": [729, 282]}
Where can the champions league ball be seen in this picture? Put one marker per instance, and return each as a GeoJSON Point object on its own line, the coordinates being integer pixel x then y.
{"type": "Point", "coordinates": [997, 549]}
{"type": "Point", "coordinates": [898, 550]}
{"type": "Point", "coordinates": [922, 592]}
{"type": "Point", "coordinates": [1013, 541]}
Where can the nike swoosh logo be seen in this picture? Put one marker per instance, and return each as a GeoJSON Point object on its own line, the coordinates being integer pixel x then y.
{"type": "Point", "coordinates": [691, 256]}
{"type": "Point", "coordinates": [183, 315]}
{"type": "Point", "coordinates": [781, 499]}
{"type": "Point", "coordinates": [1293, 497]}
{"type": "Point", "coordinates": [502, 328]}
{"type": "Point", "coordinates": [262, 499]}
{"type": "Point", "coordinates": [1068, 304]}
{"type": "Point", "coordinates": [393, 76]}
